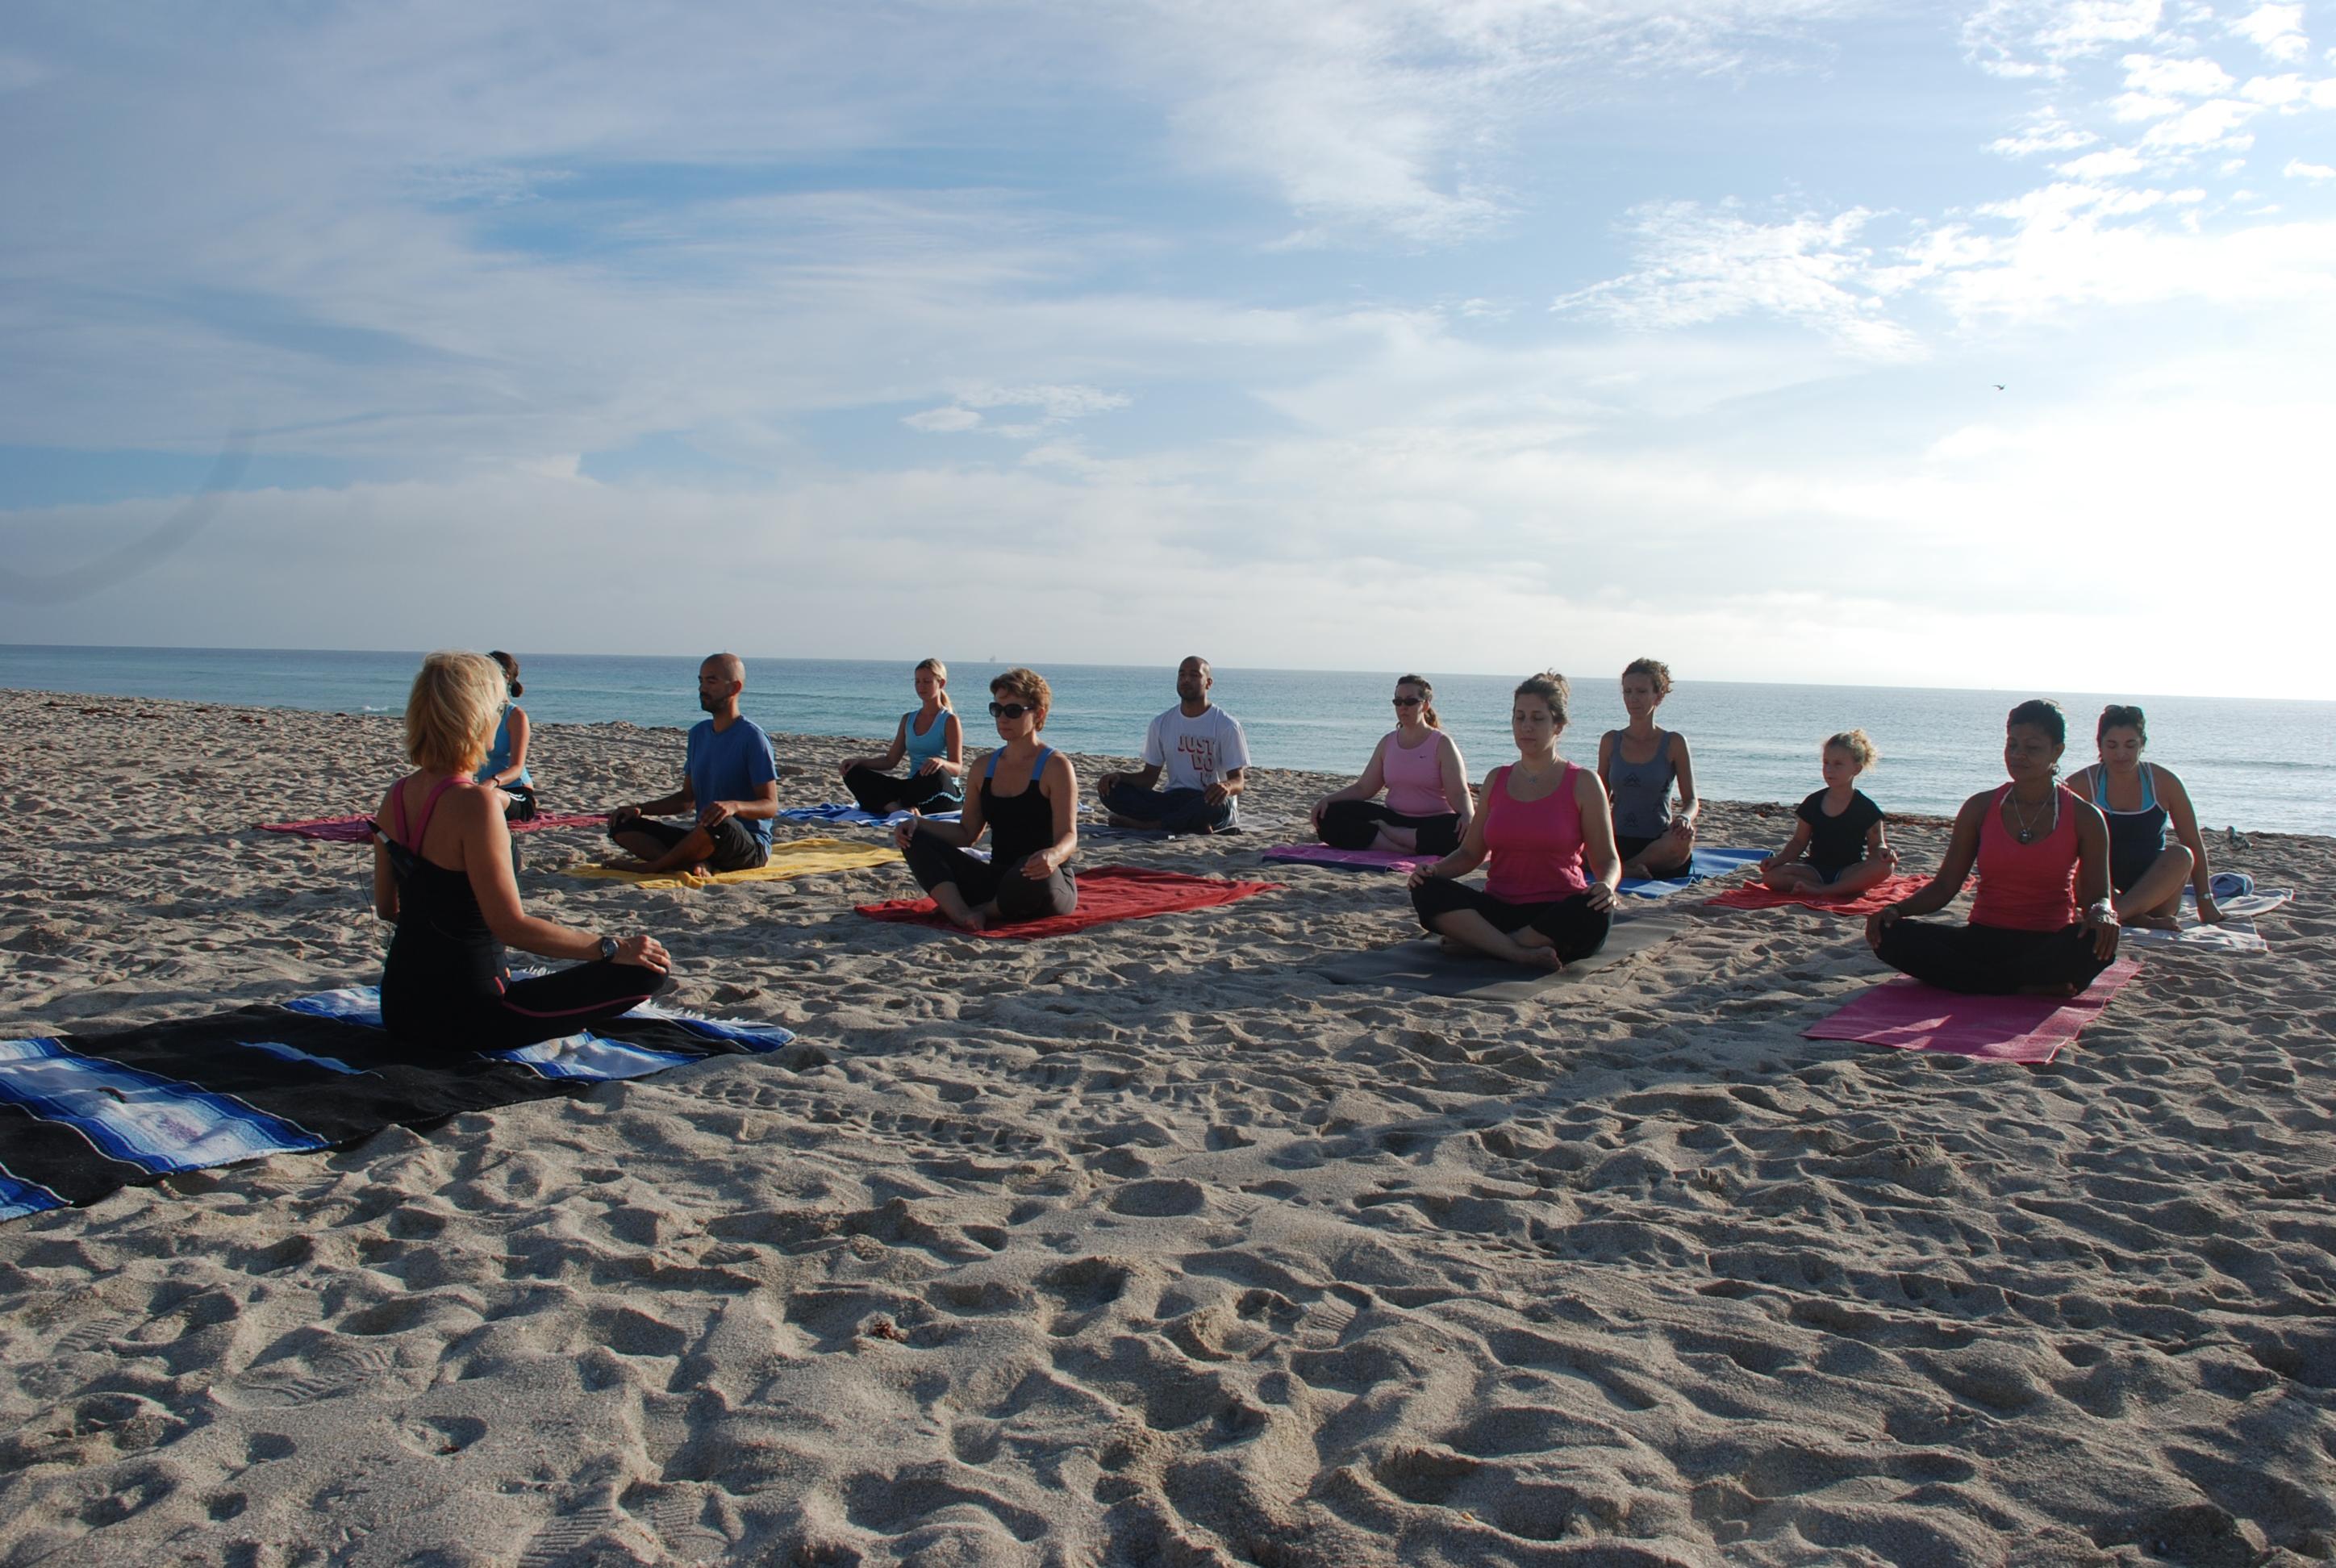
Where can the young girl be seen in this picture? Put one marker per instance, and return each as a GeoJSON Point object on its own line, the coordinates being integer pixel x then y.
{"type": "Point", "coordinates": [1638, 764]}
{"type": "Point", "coordinates": [1838, 850]}
{"type": "Point", "coordinates": [931, 739]}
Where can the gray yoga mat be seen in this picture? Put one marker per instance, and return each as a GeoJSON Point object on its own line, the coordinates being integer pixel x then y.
{"type": "Point", "coordinates": [1424, 966]}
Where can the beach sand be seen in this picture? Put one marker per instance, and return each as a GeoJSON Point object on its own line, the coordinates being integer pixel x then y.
{"type": "Point", "coordinates": [1151, 1245]}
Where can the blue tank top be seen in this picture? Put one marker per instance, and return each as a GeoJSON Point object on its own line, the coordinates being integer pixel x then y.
{"type": "Point", "coordinates": [499, 754]}
{"type": "Point", "coordinates": [2138, 833]}
{"type": "Point", "coordinates": [933, 743]}
{"type": "Point", "coordinates": [1641, 791]}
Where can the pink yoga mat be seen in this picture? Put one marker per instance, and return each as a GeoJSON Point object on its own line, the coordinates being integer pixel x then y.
{"type": "Point", "coordinates": [1362, 860]}
{"type": "Point", "coordinates": [1913, 1017]}
{"type": "Point", "coordinates": [1888, 892]}
{"type": "Point", "coordinates": [1106, 894]}
{"type": "Point", "coordinates": [357, 830]}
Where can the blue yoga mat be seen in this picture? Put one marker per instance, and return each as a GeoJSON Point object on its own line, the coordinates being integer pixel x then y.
{"type": "Point", "coordinates": [1701, 865]}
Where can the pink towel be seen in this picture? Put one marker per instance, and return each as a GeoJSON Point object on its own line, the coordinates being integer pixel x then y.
{"type": "Point", "coordinates": [1889, 891]}
{"type": "Point", "coordinates": [357, 830]}
{"type": "Point", "coordinates": [1913, 1016]}
{"type": "Point", "coordinates": [1106, 894]}
{"type": "Point", "coordinates": [1362, 860]}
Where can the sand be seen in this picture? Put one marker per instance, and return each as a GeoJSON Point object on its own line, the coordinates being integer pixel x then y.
{"type": "Point", "coordinates": [1151, 1245]}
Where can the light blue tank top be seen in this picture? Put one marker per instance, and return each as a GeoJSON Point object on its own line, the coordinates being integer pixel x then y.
{"type": "Point", "coordinates": [499, 754]}
{"type": "Point", "coordinates": [933, 743]}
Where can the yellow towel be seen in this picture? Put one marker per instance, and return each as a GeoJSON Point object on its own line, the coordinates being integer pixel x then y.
{"type": "Point", "coordinates": [789, 858]}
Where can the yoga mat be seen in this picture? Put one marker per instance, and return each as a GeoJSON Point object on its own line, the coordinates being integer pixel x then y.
{"type": "Point", "coordinates": [1359, 860]}
{"type": "Point", "coordinates": [1425, 966]}
{"type": "Point", "coordinates": [83, 1115]}
{"type": "Point", "coordinates": [1106, 894]}
{"type": "Point", "coordinates": [2230, 937]}
{"type": "Point", "coordinates": [1758, 896]}
{"type": "Point", "coordinates": [1702, 864]}
{"type": "Point", "coordinates": [790, 858]}
{"type": "Point", "coordinates": [359, 829]}
{"type": "Point", "coordinates": [1913, 1016]}
{"type": "Point", "coordinates": [841, 815]}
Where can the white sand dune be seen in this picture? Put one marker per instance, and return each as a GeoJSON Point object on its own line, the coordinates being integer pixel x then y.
{"type": "Point", "coordinates": [1151, 1245]}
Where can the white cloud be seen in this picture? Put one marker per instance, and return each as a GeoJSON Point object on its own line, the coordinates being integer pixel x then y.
{"type": "Point", "coordinates": [2297, 169]}
{"type": "Point", "coordinates": [2191, 78]}
{"type": "Point", "coordinates": [2276, 92]}
{"type": "Point", "coordinates": [2214, 123]}
{"type": "Point", "coordinates": [2046, 132]}
{"type": "Point", "coordinates": [2106, 164]}
{"type": "Point", "coordinates": [1396, 116]}
{"type": "Point", "coordinates": [2042, 38]}
{"type": "Point", "coordinates": [943, 421]}
{"type": "Point", "coordinates": [1698, 265]}
{"type": "Point", "coordinates": [2277, 29]}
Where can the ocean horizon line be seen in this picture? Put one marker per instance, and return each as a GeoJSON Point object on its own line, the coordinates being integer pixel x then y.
{"type": "Point", "coordinates": [1168, 664]}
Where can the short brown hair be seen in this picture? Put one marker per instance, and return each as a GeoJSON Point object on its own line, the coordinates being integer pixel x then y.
{"type": "Point", "coordinates": [1551, 688]}
{"type": "Point", "coordinates": [2123, 715]}
{"type": "Point", "coordinates": [451, 712]}
{"type": "Point", "coordinates": [1029, 686]}
{"type": "Point", "coordinates": [1654, 669]}
{"type": "Point", "coordinates": [1858, 745]}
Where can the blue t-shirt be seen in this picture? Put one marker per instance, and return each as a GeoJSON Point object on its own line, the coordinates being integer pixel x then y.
{"type": "Point", "coordinates": [731, 764]}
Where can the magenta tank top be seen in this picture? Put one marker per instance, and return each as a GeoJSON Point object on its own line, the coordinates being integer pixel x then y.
{"type": "Point", "coordinates": [1414, 779]}
{"type": "Point", "coordinates": [1535, 845]}
{"type": "Point", "coordinates": [2026, 886]}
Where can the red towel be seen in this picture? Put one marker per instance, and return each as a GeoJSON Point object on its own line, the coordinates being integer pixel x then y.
{"type": "Point", "coordinates": [1106, 894]}
{"type": "Point", "coordinates": [1913, 1016]}
{"type": "Point", "coordinates": [1889, 891]}
{"type": "Point", "coordinates": [357, 830]}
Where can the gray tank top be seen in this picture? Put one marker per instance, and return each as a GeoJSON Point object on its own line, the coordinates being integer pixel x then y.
{"type": "Point", "coordinates": [1641, 790]}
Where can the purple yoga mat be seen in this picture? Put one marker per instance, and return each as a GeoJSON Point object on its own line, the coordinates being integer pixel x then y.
{"type": "Point", "coordinates": [1362, 860]}
{"type": "Point", "coordinates": [1913, 1016]}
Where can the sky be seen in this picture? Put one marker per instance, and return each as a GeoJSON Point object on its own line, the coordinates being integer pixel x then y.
{"type": "Point", "coordinates": [1781, 339]}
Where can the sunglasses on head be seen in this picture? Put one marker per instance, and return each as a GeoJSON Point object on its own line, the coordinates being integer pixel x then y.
{"type": "Point", "coordinates": [1011, 709]}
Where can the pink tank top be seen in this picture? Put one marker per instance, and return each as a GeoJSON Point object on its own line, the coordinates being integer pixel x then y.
{"type": "Point", "coordinates": [2026, 886]}
{"type": "Point", "coordinates": [1535, 845]}
{"type": "Point", "coordinates": [1414, 779]}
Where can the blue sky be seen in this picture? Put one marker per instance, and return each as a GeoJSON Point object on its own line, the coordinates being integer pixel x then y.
{"type": "Point", "coordinates": [1788, 340]}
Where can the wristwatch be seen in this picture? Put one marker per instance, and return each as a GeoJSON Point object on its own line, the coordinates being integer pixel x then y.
{"type": "Point", "coordinates": [607, 949]}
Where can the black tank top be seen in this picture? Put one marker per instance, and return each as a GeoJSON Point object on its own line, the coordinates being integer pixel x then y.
{"type": "Point", "coordinates": [1020, 825]}
{"type": "Point", "coordinates": [443, 959]}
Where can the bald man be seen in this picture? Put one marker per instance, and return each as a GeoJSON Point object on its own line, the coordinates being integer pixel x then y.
{"type": "Point", "coordinates": [729, 779]}
{"type": "Point", "coordinates": [1200, 747]}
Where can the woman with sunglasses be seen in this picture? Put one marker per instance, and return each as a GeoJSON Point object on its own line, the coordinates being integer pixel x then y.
{"type": "Point", "coordinates": [1418, 766]}
{"type": "Point", "coordinates": [1028, 800]}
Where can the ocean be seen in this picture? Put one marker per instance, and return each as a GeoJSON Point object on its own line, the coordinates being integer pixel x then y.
{"type": "Point", "coordinates": [2252, 762]}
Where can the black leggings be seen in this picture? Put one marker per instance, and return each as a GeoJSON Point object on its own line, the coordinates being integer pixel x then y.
{"type": "Point", "coordinates": [1355, 825]}
{"type": "Point", "coordinates": [1992, 960]}
{"type": "Point", "coordinates": [1574, 929]}
{"type": "Point", "coordinates": [882, 793]}
{"type": "Point", "coordinates": [1631, 844]}
{"type": "Point", "coordinates": [545, 1008]}
{"type": "Point", "coordinates": [978, 881]}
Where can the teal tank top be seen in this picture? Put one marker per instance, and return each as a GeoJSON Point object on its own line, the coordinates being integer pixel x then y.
{"type": "Point", "coordinates": [933, 743]}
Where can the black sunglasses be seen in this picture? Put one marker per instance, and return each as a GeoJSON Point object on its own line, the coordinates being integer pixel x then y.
{"type": "Point", "coordinates": [1011, 709]}
{"type": "Point", "coordinates": [1406, 702]}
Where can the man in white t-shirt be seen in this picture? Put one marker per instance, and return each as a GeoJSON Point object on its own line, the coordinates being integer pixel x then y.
{"type": "Point", "coordinates": [1200, 747]}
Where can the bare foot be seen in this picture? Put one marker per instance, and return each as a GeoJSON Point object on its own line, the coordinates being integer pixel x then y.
{"type": "Point", "coordinates": [624, 863]}
{"type": "Point", "coordinates": [980, 919]}
{"type": "Point", "coordinates": [1543, 958]}
{"type": "Point", "coordinates": [1530, 938]}
{"type": "Point", "coordinates": [2153, 922]}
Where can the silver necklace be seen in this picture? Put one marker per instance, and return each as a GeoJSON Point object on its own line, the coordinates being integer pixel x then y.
{"type": "Point", "coordinates": [2027, 832]}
